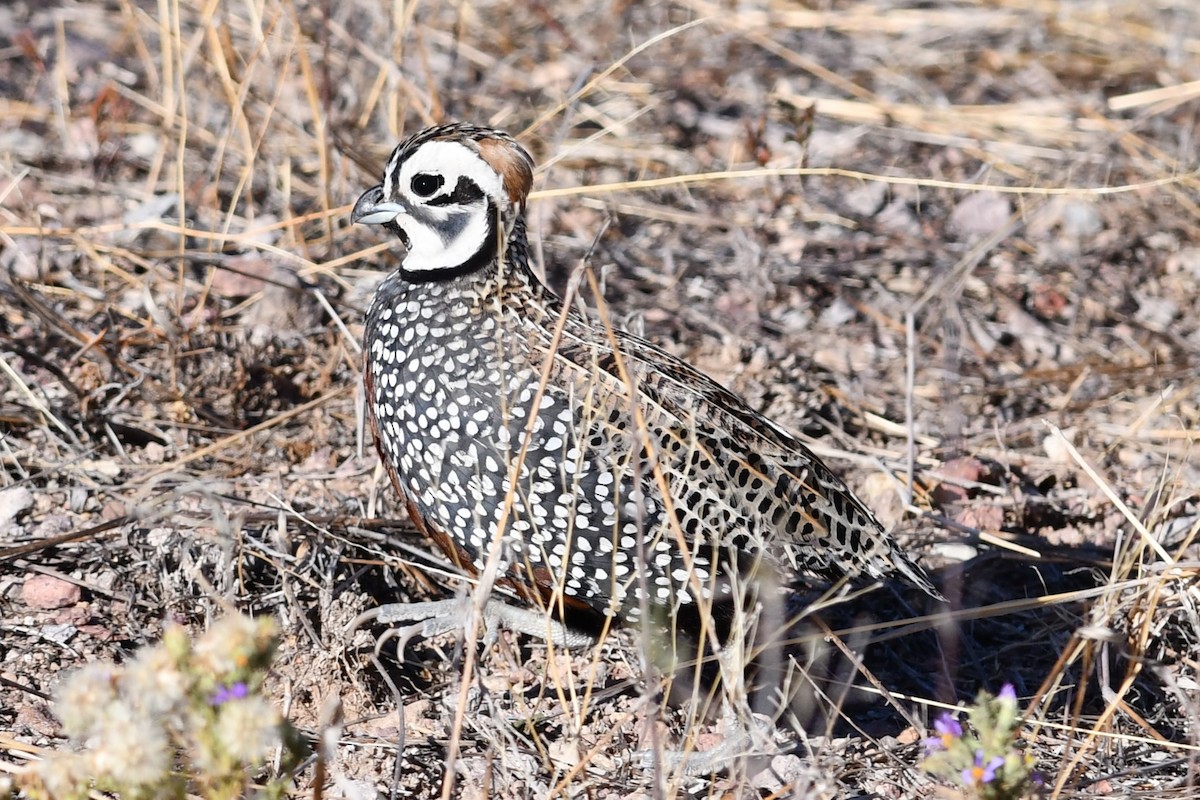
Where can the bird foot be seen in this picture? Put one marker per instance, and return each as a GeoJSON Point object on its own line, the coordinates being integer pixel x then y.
{"type": "Point", "coordinates": [442, 616]}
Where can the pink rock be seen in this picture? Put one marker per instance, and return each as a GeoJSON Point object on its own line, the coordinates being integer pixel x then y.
{"type": "Point", "coordinates": [46, 591]}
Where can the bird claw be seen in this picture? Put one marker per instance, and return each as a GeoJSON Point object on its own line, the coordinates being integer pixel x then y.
{"type": "Point", "coordinates": [427, 618]}
{"type": "Point", "coordinates": [435, 617]}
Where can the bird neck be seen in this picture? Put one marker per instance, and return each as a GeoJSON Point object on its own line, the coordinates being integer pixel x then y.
{"type": "Point", "coordinates": [514, 261]}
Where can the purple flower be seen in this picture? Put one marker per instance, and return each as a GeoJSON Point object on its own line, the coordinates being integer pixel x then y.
{"type": "Point", "coordinates": [980, 773]}
{"type": "Point", "coordinates": [226, 693]}
{"type": "Point", "coordinates": [948, 729]}
{"type": "Point", "coordinates": [947, 725]}
{"type": "Point", "coordinates": [1007, 694]}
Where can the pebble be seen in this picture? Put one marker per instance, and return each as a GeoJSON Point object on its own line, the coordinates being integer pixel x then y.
{"type": "Point", "coordinates": [46, 592]}
{"type": "Point", "coordinates": [14, 502]}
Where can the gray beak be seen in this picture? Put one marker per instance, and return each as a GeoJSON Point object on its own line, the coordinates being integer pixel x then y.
{"type": "Point", "coordinates": [372, 210]}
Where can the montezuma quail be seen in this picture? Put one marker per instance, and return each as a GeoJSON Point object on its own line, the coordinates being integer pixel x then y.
{"type": "Point", "coordinates": [614, 477]}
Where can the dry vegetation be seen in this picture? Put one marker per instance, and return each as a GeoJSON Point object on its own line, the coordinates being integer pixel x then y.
{"type": "Point", "coordinates": [956, 244]}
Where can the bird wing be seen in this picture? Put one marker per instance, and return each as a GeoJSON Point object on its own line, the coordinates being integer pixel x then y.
{"type": "Point", "coordinates": [746, 472]}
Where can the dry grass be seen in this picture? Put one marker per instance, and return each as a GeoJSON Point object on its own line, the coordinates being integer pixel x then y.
{"type": "Point", "coordinates": [955, 245]}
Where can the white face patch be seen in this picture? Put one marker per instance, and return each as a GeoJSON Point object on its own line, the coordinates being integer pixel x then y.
{"type": "Point", "coordinates": [450, 160]}
{"type": "Point", "coordinates": [431, 249]}
{"type": "Point", "coordinates": [443, 233]}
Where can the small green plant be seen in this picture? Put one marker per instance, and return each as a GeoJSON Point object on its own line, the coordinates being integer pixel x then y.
{"type": "Point", "coordinates": [986, 763]}
{"type": "Point", "coordinates": [179, 719]}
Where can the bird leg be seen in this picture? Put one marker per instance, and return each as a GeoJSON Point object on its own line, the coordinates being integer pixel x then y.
{"type": "Point", "coordinates": [433, 617]}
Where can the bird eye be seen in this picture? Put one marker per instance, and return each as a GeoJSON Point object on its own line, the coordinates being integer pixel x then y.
{"type": "Point", "coordinates": [426, 183]}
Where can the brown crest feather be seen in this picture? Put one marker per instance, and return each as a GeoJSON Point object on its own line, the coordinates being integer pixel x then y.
{"type": "Point", "coordinates": [513, 165]}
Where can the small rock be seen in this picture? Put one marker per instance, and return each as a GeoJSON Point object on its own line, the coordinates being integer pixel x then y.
{"type": "Point", "coordinates": [945, 494]}
{"type": "Point", "coordinates": [838, 313]}
{"type": "Point", "coordinates": [980, 214]}
{"type": "Point", "coordinates": [1080, 220]}
{"type": "Point", "coordinates": [242, 276]}
{"type": "Point", "coordinates": [1048, 302]}
{"type": "Point", "coordinates": [866, 199]}
{"type": "Point", "coordinates": [104, 579]}
{"type": "Point", "coordinates": [389, 725]}
{"type": "Point", "coordinates": [955, 551]}
{"type": "Point", "coordinates": [1156, 313]}
{"type": "Point", "coordinates": [142, 146]}
{"type": "Point", "coordinates": [51, 525]}
{"type": "Point", "coordinates": [1057, 449]}
{"type": "Point", "coordinates": [320, 461]}
{"type": "Point", "coordinates": [73, 615]}
{"type": "Point", "coordinates": [101, 633]}
{"type": "Point", "coordinates": [355, 789]}
{"type": "Point", "coordinates": [112, 509]}
{"type": "Point", "coordinates": [898, 217]}
{"type": "Point", "coordinates": [154, 453]}
{"type": "Point", "coordinates": [101, 468]}
{"type": "Point", "coordinates": [14, 502]}
{"type": "Point", "coordinates": [46, 592]}
{"type": "Point", "coordinates": [285, 311]}
{"type": "Point", "coordinates": [77, 497]}
{"type": "Point", "coordinates": [879, 491]}
{"type": "Point", "coordinates": [955, 472]}
{"type": "Point", "coordinates": [156, 208]}
{"type": "Point", "coordinates": [786, 770]}
{"type": "Point", "coordinates": [59, 633]}
{"type": "Point", "coordinates": [981, 517]}
{"type": "Point", "coordinates": [564, 752]}
{"type": "Point", "coordinates": [966, 468]}
{"type": "Point", "coordinates": [35, 716]}
{"type": "Point", "coordinates": [826, 148]}
{"type": "Point", "coordinates": [1186, 260]}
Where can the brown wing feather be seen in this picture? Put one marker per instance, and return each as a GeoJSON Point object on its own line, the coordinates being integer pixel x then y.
{"type": "Point", "coordinates": [832, 532]}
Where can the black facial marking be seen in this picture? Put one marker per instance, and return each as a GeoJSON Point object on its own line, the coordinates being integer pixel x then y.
{"type": "Point", "coordinates": [466, 192]}
{"type": "Point", "coordinates": [395, 228]}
